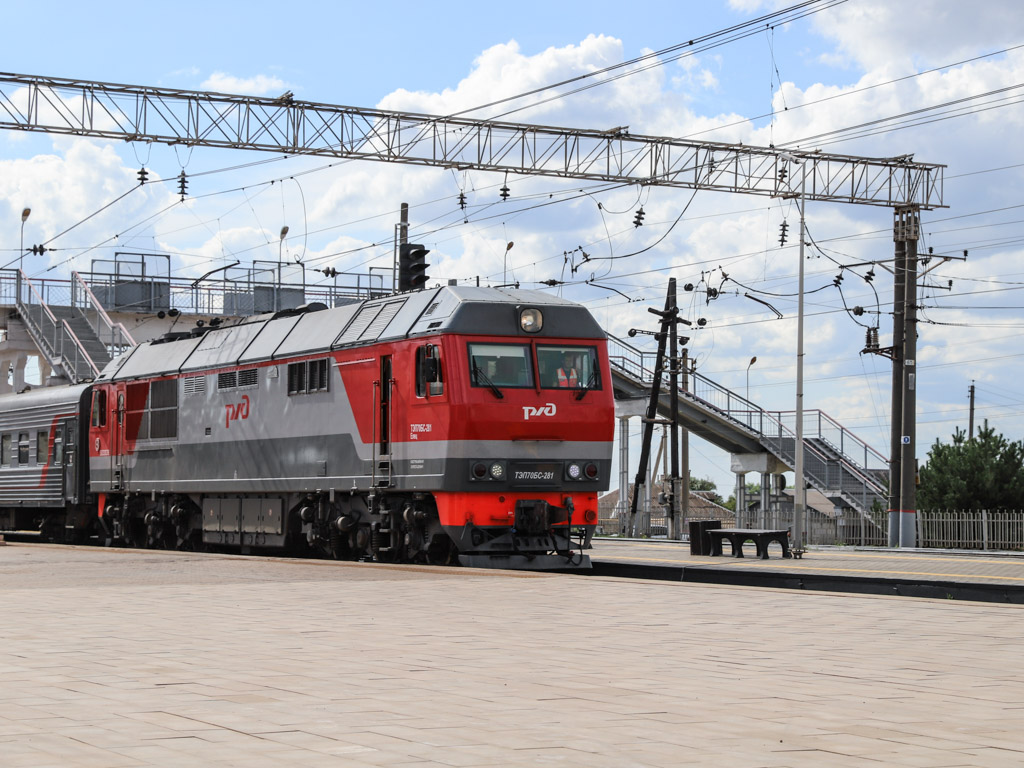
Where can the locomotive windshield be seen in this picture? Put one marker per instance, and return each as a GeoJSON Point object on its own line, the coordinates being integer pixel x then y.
{"type": "Point", "coordinates": [501, 365]}
{"type": "Point", "coordinates": [568, 367]}
{"type": "Point", "coordinates": [511, 365]}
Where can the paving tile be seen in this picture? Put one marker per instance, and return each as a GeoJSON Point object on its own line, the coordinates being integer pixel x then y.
{"type": "Point", "coordinates": [122, 658]}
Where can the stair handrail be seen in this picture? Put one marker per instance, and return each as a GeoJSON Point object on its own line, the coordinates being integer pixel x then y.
{"type": "Point", "coordinates": [25, 309]}
{"type": "Point", "coordinates": [52, 345]}
{"type": "Point", "coordinates": [764, 422]}
{"type": "Point", "coordinates": [119, 337]}
{"type": "Point", "coordinates": [738, 404]}
{"type": "Point", "coordinates": [81, 349]}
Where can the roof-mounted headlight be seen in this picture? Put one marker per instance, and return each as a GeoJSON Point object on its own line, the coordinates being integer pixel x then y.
{"type": "Point", "coordinates": [531, 320]}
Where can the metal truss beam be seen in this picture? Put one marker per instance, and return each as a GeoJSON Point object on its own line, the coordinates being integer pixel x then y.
{"type": "Point", "coordinates": [284, 125]}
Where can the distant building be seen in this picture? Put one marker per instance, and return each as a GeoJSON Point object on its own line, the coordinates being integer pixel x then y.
{"type": "Point", "coordinates": [701, 508]}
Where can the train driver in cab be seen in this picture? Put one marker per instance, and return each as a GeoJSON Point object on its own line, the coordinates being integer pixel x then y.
{"type": "Point", "coordinates": [567, 376]}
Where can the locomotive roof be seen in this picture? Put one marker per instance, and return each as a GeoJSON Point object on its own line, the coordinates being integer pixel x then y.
{"type": "Point", "coordinates": [446, 309]}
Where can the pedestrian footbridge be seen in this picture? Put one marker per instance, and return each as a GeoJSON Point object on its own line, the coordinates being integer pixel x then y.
{"type": "Point", "coordinates": [837, 463]}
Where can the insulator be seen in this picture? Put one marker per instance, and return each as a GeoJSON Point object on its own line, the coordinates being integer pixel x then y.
{"type": "Point", "coordinates": [505, 192]}
{"type": "Point", "coordinates": [143, 174]}
{"type": "Point", "coordinates": [462, 200]}
{"type": "Point", "coordinates": [638, 220]}
{"type": "Point", "coordinates": [783, 228]}
{"type": "Point", "coordinates": [783, 173]}
{"type": "Point", "coordinates": [182, 185]}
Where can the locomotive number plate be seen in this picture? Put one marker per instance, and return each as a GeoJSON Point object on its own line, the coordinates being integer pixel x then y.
{"type": "Point", "coordinates": [535, 473]}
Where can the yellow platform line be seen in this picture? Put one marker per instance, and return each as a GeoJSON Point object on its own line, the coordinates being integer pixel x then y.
{"type": "Point", "coordinates": [726, 561]}
{"type": "Point", "coordinates": [893, 555]}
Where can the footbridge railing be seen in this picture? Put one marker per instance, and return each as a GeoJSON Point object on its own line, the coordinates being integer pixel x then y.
{"type": "Point", "coordinates": [836, 460]}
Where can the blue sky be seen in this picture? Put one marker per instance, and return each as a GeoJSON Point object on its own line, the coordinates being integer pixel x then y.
{"type": "Point", "coordinates": [868, 54]}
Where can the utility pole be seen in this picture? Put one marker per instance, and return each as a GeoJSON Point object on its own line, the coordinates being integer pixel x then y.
{"type": "Point", "coordinates": [899, 284]}
{"type": "Point", "coordinates": [970, 422]}
{"type": "Point", "coordinates": [908, 440]}
{"type": "Point", "coordinates": [669, 320]}
{"type": "Point", "coordinates": [684, 435]}
{"type": "Point", "coordinates": [673, 498]}
{"type": "Point", "coordinates": [402, 237]}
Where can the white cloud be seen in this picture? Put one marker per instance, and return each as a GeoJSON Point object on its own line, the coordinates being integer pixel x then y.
{"type": "Point", "coordinates": [259, 85]}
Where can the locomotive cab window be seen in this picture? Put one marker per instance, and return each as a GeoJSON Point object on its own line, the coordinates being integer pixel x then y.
{"type": "Point", "coordinates": [568, 367]}
{"type": "Point", "coordinates": [99, 408]}
{"type": "Point", "coordinates": [500, 365]}
{"type": "Point", "coordinates": [429, 379]}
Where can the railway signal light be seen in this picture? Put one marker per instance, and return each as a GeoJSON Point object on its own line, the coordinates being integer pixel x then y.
{"type": "Point", "coordinates": [412, 266]}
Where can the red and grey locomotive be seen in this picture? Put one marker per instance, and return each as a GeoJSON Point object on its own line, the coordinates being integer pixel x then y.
{"type": "Point", "coordinates": [456, 424]}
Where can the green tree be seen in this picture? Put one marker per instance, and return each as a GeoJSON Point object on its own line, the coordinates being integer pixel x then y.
{"type": "Point", "coordinates": [753, 492]}
{"type": "Point", "coordinates": [985, 472]}
{"type": "Point", "coordinates": [704, 484]}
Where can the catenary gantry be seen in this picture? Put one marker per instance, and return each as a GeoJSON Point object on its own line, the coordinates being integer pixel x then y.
{"type": "Point", "coordinates": [291, 126]}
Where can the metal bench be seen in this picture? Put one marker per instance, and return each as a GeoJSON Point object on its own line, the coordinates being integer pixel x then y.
{"type": "Point", "coordinates": [736, 536]}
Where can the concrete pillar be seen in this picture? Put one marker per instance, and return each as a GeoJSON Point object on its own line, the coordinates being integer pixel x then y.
{"type": "Point", "coordinates": [766, 495]}
{"type": "Point", "coordinates": [741, 499]}
{"type": "Point", "coordinates": [5, 375]}
{"type": "Point", "coordinates": [622, 506]}
{"type": "Point", "coordinates": [19, 371]}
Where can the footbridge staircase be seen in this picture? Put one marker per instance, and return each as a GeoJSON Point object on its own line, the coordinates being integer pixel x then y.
{"type": "Point", "coordinates": [836, 462]}
{"type": "Point", "coordinates": [75, 335]}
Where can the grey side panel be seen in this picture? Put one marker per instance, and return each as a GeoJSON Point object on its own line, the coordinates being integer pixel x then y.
{"type": "Point", "coordinates": [269, 339]}
{"type": "Point", "coordinates": [223, 346]}
{"type": "Point", "coordinates": [315, 331]}
{"type": "Point", "coordinates": [156, 359]}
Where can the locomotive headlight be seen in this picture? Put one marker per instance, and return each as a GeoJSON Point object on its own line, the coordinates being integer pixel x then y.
{"type": "Point", "coordinates": [574, 471]}
{"type": "Point", "coordinates": [479, 470]}
{"type": "Point", "coordinates": [531, 320]}
{"type": "Point", "coordinates": [497, 471]}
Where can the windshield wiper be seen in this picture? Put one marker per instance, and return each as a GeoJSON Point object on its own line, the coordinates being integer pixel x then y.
{"type": "Point", "coordinates": [479, 375]}
{"type": "Point", "coordinates": [581, 392]}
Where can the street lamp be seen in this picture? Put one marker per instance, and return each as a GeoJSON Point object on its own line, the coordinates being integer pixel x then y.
{"type": "Point", "coordinates": [752, 361]}
{"type": "Point", "coordinates": [21, 253]}
{"type": "Point", "coordinates": [280, 243]}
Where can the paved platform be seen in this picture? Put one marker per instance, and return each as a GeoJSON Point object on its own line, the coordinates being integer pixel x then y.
{"type": "Point", "coordinates": [124, 658]}
{"type": "Point", "coordinates": [954, 574]}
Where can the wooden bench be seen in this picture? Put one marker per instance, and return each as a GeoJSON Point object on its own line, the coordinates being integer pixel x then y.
{"type": "Point", "coordinates": [736, 536]}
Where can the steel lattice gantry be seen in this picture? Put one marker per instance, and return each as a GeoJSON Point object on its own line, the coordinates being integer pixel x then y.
{"type": "Point", "coordinates": [285, 125]}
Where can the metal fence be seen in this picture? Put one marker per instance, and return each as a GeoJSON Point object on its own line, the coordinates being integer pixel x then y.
{"type": "Point", "coordinates": [971, 529]}
{"type": "Point", "coordinates": [981, 529]}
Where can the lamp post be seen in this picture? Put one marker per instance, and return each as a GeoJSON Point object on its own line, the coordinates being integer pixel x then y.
{"type": "Point", "coordinates": [21, 253]}
{"type": "Point", "coordinates": [504, 265]}
{"type": "Point", "coordinates": [752, 361]}
{"type": "Point", "coordinates": [277, 279]}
